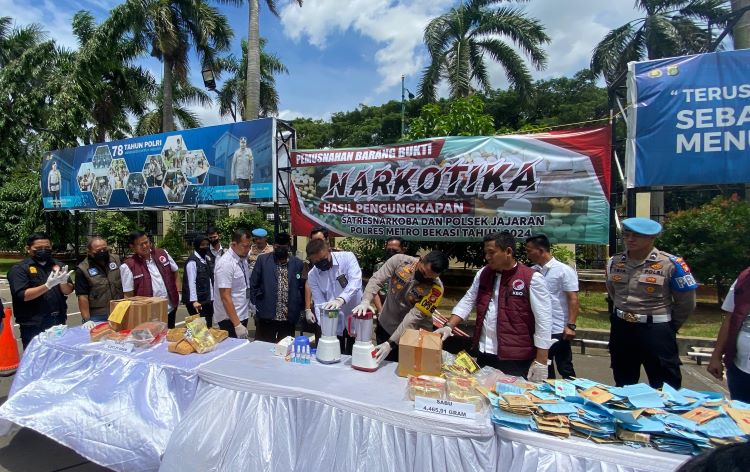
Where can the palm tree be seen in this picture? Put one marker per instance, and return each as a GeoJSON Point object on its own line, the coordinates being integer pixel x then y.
{"type": "Point", "coordinates": [459, 40]}
{"type": "Point", "coordinates": [14, 40]}
{"type": "Point", "coordinates": [170, 28]}
{"type": "Point", "coordinates": [182, 95]}
{"type": "Point", "coordinates": [253, 106]}
{"type": "Point", "coordinates": [232, 92]}
{"type": "Point", "coordinates": [114, 86]}
{"type": "Point", "coordinates": [669, 28]}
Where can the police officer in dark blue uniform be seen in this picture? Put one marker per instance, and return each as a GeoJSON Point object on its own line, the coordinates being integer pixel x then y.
{"type": "Point", "coordinates": [653, 294]}
{"type": "Point", "coordinates": [39, 286]}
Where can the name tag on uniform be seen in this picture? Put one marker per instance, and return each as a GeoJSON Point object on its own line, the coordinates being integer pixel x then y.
{"type": "Point", "coordinates": [138, 276]}
{"type": "Point", "coordinates": [93, 271]}
{"type": "Point", "coordinates": [342, 280]}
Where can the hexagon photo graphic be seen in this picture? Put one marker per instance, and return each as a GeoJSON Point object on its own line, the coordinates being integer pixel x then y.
{"type": "Point", "coordinates": [175, 186]}
{"type": "Point", "coordinates": [195, 167]}
{"type": "Point", "coordinates": [153, 170]}
{"type": "Point", "coordinates": [101, 159]}
{"type": "Point", "coordinates": [102, 190]}
{"type": "Point", "coordinates": [174, 152]}
{"type": "Point", "coordinates": [135, 188]}
{"type": "Point", "coordinates": [118, 173]}
{"type": "Point", "coordinates": [86, 177]}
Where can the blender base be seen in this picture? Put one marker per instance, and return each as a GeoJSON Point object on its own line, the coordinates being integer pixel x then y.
{"type": "Point", "coordinates": [328, 350]}
{"type": "Point", "coordinates": [362, 357]}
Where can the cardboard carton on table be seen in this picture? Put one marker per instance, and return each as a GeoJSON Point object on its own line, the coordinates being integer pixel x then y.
{"type": "Point", "coordinates": [420, 352]}
{"type": "Point", "coordinates": [139, 310]}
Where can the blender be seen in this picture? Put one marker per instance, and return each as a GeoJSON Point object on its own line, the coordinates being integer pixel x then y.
{"type": "Point", "coordinates": [329, 349]}
{"type": "Point", "coordinates": [363, 352]}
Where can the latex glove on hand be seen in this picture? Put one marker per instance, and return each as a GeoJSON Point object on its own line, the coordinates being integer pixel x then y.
{"type": "Point", "coordinates": [240, 331]}
{"type": "Point", "coordinates": [537, 372]}
{"type": "Point", "coordinates": [56, 277]}
{"type": "Point", "coordinates": [334, 304]}
{"type": "Point", "coordinates": [445, 332]}
{"type": "Point", "coordinates": [360, 310]}
{"type": "Point", "coordinates": [89, 325]}
{"type": "Point", "coordinates": [382, 351]}
{"type": "Point", "coordinates": [310, 316]}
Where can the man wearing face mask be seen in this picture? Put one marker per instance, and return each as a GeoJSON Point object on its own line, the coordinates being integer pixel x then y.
{"type": "Point", "coordinates": [393, 245]}
{"type": "Point", "coordinates": [198, 283]}
{"type": "Point", "coordinates": [214, 239]}
{"type": "Point", "coordinates": [39, 285]}
{"type": "Point", "coordinates": [414, 291]}
{"type": "Point", "coordinates": [98, 281]}
{"type": "Point", "coordinates": [277, 290]}
{"type": "Point", "coordinates": [335, 281]}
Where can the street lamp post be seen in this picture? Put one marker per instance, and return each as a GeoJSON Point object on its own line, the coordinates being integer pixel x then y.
{"type": "Point", "coordinates": [404, 91]}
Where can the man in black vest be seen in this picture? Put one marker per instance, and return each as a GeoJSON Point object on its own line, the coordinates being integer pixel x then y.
{"type": "Point", "coordinates": [98, 281]}
{"type": "Point", "coordinates": [198, 283]}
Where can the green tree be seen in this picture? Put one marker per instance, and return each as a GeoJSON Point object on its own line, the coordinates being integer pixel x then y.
{"type": "Point", "coordinates": [170, 28]}
{"type": "Point", "coordinates": [20, 207]}
{"type": "Point", "coordinates": [114, 226]}
{"type": "Point", "coordinates": [459, 42]}
{"type": "Point", "coordinates": [111, 86]}
{"type": "Point", "coordinates": [14, 41]}
{"type": "Point", "coordinates": [668, 28]}
{"type": "Point", "coordinates": [460, 117]}
{"type": "Point", "coordinates": [712, 239]}
{"type": "Point", "coordinates": [184, 94]}
{"type": "Point", "coordinates": [232, 92]}
{"type": "Point", "coordinates": [248, 220]}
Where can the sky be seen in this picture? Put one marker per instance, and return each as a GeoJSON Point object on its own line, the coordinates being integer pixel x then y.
{"type": "Point", "coordinates": [343, 53]}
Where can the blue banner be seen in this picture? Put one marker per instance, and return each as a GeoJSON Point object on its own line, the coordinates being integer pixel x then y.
{"type": "Point", "coordinates": [216, 165]}
{"type": "Point", "coordinates": [689, 120]}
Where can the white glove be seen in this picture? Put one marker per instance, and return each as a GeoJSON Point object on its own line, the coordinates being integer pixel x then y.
{"type": "Point", "coordinates": [382, 352]}
{"type": "Point", "coordinates": [89, 325]}
{"type": "Point", "coordinates": [310, 316]}
{"type": "Point", "coordinates": [240, 331]}
{"type": "Point", "coordinates": [334, 304]}
{"type": "Point", "coordinates": [445, 332]}
{"type": "Point", "coordinates": [537, 372]}
{"type": "Point", "coordinates": [56, 277]}
{"type": "Point", "coordinates": [360, 310]}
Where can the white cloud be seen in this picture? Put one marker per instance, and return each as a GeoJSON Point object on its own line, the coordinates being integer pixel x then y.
{"type": "Point", "coordinates": [209, 115]}
{"type": "Point", "coordinates": [54, 19]}
{"type": "Point", "coordinates": [397, 28]}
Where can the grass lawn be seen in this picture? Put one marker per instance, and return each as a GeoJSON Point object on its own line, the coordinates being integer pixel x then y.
{"type": "Point", "coordinates": [6, 264]}
{"type": "Point", "coordinates": [704, 322]}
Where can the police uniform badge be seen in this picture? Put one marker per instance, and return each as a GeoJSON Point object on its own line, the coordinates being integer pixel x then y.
{"type": "Point", "coordinates": [32, 270]}
{"type": "Point", "coordinates": [682, 279]}
{"type": "Point", "coordinates": [112, 266]}
{"type": "Point", "coordinates": [93, 271]}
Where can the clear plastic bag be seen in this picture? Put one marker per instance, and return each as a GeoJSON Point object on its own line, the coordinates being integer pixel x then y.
{"type": "Point", "coordinates": [199, 336]}
{"type": "Point", "coordinates": [425, 386]}
{"type": "Point", "coordinates": [147, 334]}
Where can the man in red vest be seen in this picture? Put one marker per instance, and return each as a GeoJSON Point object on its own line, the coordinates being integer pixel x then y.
{"type": "Point", "coordinates": [150, 272]}
{"type": "Point", "coordinates": [733, 345]}
{"type": "Point", "coordinates": [514, 322]}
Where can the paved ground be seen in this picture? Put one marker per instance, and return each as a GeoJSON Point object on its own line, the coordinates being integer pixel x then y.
{"type": "Point", "coordinates": [28, 451]}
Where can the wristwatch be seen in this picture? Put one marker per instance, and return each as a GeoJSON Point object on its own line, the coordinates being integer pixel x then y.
{"type": "Point", "coordinates": [572, 326]}
{"type": "Point", "coordinates": [392, 343]}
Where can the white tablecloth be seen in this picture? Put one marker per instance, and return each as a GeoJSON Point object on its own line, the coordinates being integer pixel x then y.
{"type": "Point", "coordinates": [254, 411]}
{"type": "Point", "coordinates": [526, 451]}
{"type": "Point", "coordinates": [116, 409]}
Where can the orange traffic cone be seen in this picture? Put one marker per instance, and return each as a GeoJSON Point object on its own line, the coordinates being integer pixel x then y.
{"type": "Point", "coordinates": [8, 346]}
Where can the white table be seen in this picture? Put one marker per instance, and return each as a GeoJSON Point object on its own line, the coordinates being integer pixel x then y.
{"type": "Point", "coordinates": [116, 409]}
{"type": "Point", "coordinates": [254, 411]}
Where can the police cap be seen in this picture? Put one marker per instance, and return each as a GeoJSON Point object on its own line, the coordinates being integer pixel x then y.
{"type": "Point", "coordinates": [642, 226]}
{"type": "Point", "coordinates": [260, 233]}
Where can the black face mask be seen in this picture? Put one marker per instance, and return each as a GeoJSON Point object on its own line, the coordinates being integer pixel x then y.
{"type": "Point", "coordinates": [390, 253]}
{"type": "Point", "coordinates": [102, 257]}
{"type": "Point", "coordinates": [202, 251]}
{"type": "Point", "coordinates": [324, 264]}
{"type": "Point", "coordinates": [281, 253]}
{"type": "Point", "coordinates": [419, 277]}
{"type": "Point", "coordinates": [214, 242]}
{"type": "Point", "coordinates": [42, 255]}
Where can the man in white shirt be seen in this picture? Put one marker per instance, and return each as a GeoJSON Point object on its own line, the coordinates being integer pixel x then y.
{"type": "Point", "coordinates": [336, 284]}
{"type": "Point", "coordinates": [214, 239]}
{"type": "Point", "coordinates": [242, 170]}
{"type": "Point", "coordinates": [513, 328]}
{"type": "Point", "coordinates": [150, 272]}
{"type": "Point", "coordinates": [562, 283]}
{"type": "Point", "coordinates": [231, 284]}
{"type": "Point", "coordinates": [198, 284]}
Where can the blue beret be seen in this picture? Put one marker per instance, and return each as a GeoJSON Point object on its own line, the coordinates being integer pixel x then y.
{"type": "Point", "coordinates": [642, 226]}
{"type": "Point", "coordinates": [260, 233]}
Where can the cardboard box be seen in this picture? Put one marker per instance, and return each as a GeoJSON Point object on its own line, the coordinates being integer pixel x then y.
{"type": "Point", "coordinates": [141, 309]}
{"type": "Point", "coordinates": [420, 352]}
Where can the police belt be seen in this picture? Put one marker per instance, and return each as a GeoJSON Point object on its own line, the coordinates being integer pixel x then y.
{"type": "Point", "coordinates": [639, 318]}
